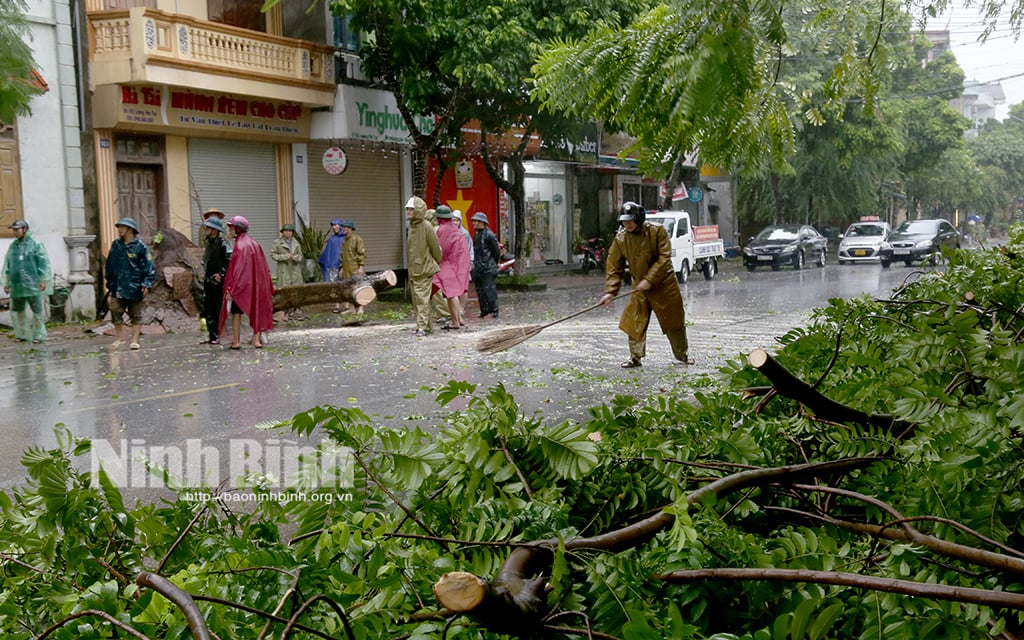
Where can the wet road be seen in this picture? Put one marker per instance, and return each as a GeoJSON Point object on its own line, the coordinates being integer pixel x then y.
{"type": "Point", "coordinates": [201, 401]}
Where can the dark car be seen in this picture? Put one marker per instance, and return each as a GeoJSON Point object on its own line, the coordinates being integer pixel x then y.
{"type": "Point", "coordinates": [793, 244]}
{"type": "Point", "coordinates": [919, 240]}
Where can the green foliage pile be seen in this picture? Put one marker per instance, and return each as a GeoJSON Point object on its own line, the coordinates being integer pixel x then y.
{"type": "Point", "coordinates": [945, 354]}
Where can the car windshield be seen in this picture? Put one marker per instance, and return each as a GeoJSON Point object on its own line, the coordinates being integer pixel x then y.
{"type": "Point", "coordinates": [863, 230]}
{"type": "Point", "coordinates": [787, 232]}
{"type": "Point", "coordinates": [668, 223]}
{"type": "Point", "coordinates": [918, 226]}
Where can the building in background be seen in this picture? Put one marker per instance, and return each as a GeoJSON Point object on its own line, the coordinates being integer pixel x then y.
{"type": "Point", "coordinates": [196, 104]}
{"type": "Point", "coordinates": [41, 177]}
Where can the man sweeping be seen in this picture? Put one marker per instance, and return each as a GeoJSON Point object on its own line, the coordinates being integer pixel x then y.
{"type": "Point", "coordinates": [645, 247]}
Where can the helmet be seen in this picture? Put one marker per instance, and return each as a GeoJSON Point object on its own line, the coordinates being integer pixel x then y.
{"type": "Point", "coordinates": [288, 227]}
{"type": "Point", "coordinates": [127, 222]}
{"type": "Point", "coordinates": [19, 224]}
{"type": "Point", "coordinates": [632, 211]}
{"type": "Point", "coordinates": [350, 224]}
{"type": "Point", "coordinates": [337, 221]}
{"type": "Point", "coordinates": [443, 212]}
{"type": "Point", "coordinates": [214, 223]}
{"type": "Point", "coordinates": [480, 216]}
{"type": "Point", "coordinates": [238, 222]}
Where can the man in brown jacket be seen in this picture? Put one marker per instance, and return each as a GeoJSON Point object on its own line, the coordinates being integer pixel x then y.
{"type": "Point", "coordinates": [645, 247]}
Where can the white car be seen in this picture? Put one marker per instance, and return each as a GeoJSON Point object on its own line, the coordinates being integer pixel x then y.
{"type": "Point", "coordinates": [863, 242]}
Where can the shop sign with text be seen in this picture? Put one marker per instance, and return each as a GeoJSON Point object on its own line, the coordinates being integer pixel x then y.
{"type": "Point", "coordinates": [374, 115]}
{"type": "Point", "coordinates": [166, 106]}
{"type": "Point", "coordinates": [583, 149]}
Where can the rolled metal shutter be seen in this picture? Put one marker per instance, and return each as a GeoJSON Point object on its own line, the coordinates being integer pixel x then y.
{"type": "Point", "coordinates": [239, 178]}
{"type": "Point", "coordinates": [369, 193]}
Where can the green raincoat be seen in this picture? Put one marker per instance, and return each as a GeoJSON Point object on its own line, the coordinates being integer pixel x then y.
{"type": "Point", "coordinates": [28, 278]}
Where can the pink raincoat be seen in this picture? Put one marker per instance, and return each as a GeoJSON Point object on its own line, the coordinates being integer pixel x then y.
{"type": "Point", "coordinates": [453, 277]}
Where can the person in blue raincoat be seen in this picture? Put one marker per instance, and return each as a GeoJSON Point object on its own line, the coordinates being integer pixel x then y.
{"type": "Point", "coordinates": [27, 278]}
{"type": "Point", "coordinates": [130, 276]}
{"type": "Point", "coordinates": [330, 257]}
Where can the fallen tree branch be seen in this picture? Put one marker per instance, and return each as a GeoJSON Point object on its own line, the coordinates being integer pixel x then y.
{"type": "Point", "coordinates": [359, 290]}
{"type": "Point", "coordinates": [98, 614]}
{"type": "Point", "coordinates": [889, 585]}
{"type": "Point", "coordinates": [260, 612]}
{"type": "Point", "coordinates": [338, 610]}
{"type": "Point", "coordinates": [942, 547]}
{"type": "Point", "coordinates": [792, 387]}
{"type": "Point", "coordinates": [179, 598]}
{"type": "Point", "coordinates": [515, 602]}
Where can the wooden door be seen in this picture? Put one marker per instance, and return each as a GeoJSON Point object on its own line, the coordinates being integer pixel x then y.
{"type": "Point", "coordinates": [138, 196]}
{"type": "Point", "coordinates": [10, 179]}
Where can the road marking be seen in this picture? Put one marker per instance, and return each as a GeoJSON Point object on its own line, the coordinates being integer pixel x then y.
{"type": "Point", "coordinates": [159, 397]}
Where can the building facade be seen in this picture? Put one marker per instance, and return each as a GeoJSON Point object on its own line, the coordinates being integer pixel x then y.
{"type": "Point", "coordinates": [196, 104]}
{"type": "Point", "coordinates": [41, 177]}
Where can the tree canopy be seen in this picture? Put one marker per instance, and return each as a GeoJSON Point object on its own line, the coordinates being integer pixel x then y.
{"type": "Point", "coordinates": [712, 76]}
{"type": "Point", "coordinates": [470, 62]}
{"type": "Point", "coordinates": [16, 64]}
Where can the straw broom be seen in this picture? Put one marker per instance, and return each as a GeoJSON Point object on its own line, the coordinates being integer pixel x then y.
{"type": "Point", "coordinates": [501, 339]}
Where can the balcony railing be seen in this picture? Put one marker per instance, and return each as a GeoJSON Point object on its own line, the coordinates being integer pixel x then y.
{"type": "Point", "coordinates": [134, 38]}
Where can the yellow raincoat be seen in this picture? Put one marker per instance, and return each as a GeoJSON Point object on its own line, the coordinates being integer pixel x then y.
{"type": "Point", "coordinates": [649, 254]}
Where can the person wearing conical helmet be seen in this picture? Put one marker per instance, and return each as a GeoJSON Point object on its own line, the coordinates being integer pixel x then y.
{"type": "Point", "coordinates": [130, 275]}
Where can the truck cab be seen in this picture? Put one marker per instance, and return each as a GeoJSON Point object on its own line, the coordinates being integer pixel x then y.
{"type": "Point", "coordinates": [693, 248]}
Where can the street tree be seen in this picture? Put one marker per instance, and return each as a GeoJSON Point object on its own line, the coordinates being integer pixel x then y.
{"type": "Point", "coordinates": [471, 61]}
{"type": "Point", "coordinates": [841, 151]}
{"type": "Point", "coordinates": [698, 77]}
{"type": "Point", "coordinates": [929, 126]}
{"type": "Point", "coordinates": [999, 151]}
{"type": "Point", "coordinates": [16, 64]}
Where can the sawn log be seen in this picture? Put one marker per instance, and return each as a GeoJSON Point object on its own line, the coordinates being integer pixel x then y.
{"type": "Point", "coordinates": [359, 291]}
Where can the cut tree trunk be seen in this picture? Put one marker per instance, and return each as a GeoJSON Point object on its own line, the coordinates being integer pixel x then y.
{"type": "Point", "coordinates": [823, 407]}
{"type": "Point", "coordinates": [359, 291]}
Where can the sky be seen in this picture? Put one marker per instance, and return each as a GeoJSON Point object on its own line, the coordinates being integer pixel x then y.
{"type": "Point", "coordinates": [1000, 58]}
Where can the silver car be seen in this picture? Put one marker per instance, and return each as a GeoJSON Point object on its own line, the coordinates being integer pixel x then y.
{"type": "Point", "coordinates": [863, 242]}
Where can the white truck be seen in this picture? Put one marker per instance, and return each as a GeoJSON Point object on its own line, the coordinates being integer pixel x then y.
{"type": "Point", "coordinates": [693, 248]}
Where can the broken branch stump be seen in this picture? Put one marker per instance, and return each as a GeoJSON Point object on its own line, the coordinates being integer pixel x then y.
{"type": "Point", "coordinates": [822, 406]}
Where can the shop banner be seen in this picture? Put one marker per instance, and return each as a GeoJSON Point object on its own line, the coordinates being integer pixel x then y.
{"type": "Point", "coordinates": [168, 109]}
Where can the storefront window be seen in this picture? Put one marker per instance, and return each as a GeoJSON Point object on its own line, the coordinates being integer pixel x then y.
{"type": "Point", "coordinates": [546, 221]}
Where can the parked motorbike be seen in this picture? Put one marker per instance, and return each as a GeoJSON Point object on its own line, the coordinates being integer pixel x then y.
{"type": "Point", "coordinates": [507, 262]}
{"type": "Point", "coordinates": [592, 252]}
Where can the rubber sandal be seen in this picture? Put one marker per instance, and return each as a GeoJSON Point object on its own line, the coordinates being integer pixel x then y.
{"type": "Point", "coordinates": [632, 363]}
{"type": "Point", "coordinates": [134, 346]}
{"type": "Point", "coordinates": [235, 347]}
